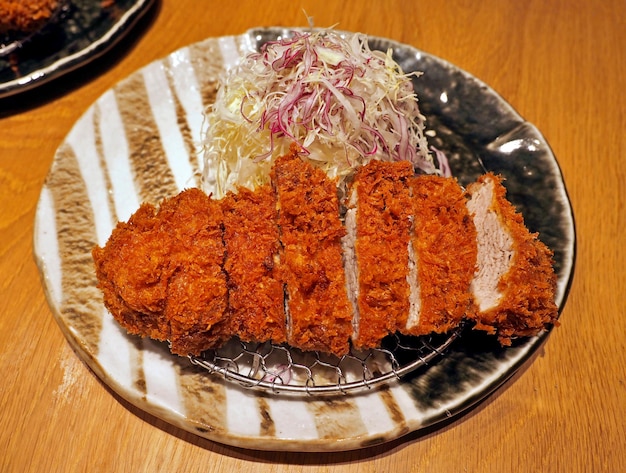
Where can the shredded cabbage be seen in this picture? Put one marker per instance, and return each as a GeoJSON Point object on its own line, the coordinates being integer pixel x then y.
{"type": "Point", "coordinates": [340, 102]}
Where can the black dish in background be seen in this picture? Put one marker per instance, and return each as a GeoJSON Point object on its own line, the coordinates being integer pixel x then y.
{"type": "Point", "coordinates": [84, 32]}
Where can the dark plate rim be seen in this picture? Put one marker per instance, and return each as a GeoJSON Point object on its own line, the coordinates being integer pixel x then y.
{"type": "Point", "coordinates": [81, 57]}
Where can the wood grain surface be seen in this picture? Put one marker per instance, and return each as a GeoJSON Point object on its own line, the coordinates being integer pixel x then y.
{"type": "Point", "coordinates": [560, 63]}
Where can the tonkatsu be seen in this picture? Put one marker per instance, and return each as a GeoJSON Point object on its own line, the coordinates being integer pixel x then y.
{"type": "Point", "coordinates": [290, 262]}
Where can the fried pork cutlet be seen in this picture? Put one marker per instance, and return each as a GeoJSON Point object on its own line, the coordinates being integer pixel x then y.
{"type": "Point", "coordinates": [161, 273]}
{"type": "Point", "coordinates": [319, 312]}
{"type": "Point", "coordinates": [514, 284]}
{"type": "Point", "coordinates": [416, 255]}
{"type": "Point", "coordinates": [379, 225]}
{"type": "Point", "coordinates": [444, 255]}
{"type": "Point", "coordinates": [252, 262]}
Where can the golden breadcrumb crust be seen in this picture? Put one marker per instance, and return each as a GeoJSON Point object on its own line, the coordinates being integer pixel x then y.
{"type": "Point", "coordinates": [311, 262]}
{"type": "Point", "coordinates": [527, 306]}
{"type": "Point", "coordinates": [444, 240]}
{"type": "Point", "coordinates": [161, 273]}
{"type": "Point", "coordinates": [252, 243]}
{"type": "Point", "coordinates": [196, 271]}
{"type": "Point", "coordinates": [383, 225]}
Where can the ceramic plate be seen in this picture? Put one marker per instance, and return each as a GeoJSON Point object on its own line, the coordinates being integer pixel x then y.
{"type": "Point", "coordinates": [85, 30]}
{"type": "Point", "coordinates": [140, 142]}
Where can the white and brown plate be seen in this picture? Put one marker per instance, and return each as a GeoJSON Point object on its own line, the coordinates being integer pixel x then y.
{"type": "Point", "coordinates": [140, 141]}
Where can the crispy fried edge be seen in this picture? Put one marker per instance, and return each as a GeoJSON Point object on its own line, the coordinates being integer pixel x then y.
{"type": "Point", "coordinates": [528, 303]}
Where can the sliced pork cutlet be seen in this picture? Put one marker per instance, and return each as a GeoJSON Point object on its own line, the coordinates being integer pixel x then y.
{"type": "Point", "coordinates": [161, 273]}
{"type": "Point", "coordinates": [132, 269]}
{"type": "Point", "coordinates": [444, 256]}
{"type": "Point", "coordinates": [318, 310]}
{"type": "Point", "coordinates": [378, 222]}
{"type": "Point", "coordinates": [514, 285]}
{"type": "Point", "coordinates": [256, 301]}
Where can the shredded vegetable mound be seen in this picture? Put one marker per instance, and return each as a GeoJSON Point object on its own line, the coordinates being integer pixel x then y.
{"type": "Point", "coordinates": [340, 102]}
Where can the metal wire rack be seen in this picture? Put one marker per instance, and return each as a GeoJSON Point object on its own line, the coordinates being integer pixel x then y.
{"type": "Point", "coordinates": [285, 370]}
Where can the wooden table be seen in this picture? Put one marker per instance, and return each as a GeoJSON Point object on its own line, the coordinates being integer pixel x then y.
{"type": "Point", "coordinates": [560, 64]}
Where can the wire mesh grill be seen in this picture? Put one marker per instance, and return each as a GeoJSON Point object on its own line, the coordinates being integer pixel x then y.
{"type": "Point", "coordinates": [285, 370]}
